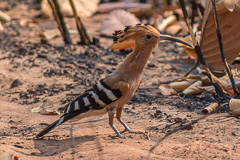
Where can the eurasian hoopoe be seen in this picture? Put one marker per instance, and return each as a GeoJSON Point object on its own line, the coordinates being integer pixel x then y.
{"type": "Point", "coordinates": [111, 93]}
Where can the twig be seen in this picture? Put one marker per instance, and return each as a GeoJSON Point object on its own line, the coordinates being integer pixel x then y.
{"type": "Point", "coordinates": [235, 89]}
{"type": "Point", "coordinates": [61, 22]}
{"type": "Point", "coordinates": [194, 8]}
{"type": "Point", "coordinates": [56, 16]}
{"type": "Point", "coordinates": [81, 29]}
{"type": "Point", "coordinates": [199, 6]}
{"type": "Point", "coordinates": [214, 80]}
{"type": "Point", "coordinates": [73, 94]}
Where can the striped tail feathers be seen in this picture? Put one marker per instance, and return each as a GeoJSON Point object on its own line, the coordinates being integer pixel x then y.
{"type": "Point", "coordinates": [64, 118]}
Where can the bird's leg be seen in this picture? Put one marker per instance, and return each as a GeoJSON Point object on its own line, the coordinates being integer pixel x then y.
{"type": "Point", "coordinates": [118, 116]}
{"type": "Point", "coordinates": [111, 113]}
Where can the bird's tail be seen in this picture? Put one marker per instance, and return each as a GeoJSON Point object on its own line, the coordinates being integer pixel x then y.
{"type": "Point", "coordinates": [63, 119]}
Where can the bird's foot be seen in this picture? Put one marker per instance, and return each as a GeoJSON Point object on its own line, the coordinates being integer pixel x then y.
{"type": "Point", "coordinates": [132, 131]}
{"type": "Point", "coordinates": [117, 132]}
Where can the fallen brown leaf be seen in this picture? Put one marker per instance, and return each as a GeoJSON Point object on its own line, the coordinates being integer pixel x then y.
{"type": "Point", "coordinates": [181, 85]}
{"type": "Point", "coordinates": [85, 8]}
{"type": "Point", "coordinates": [234, 105]}
{"type": "Point", "coordinates": [7, 156]}
{"type": "Point", "coordinates": [4, 17]}
{"type": "Point", "coordinates": [193, 89]}
{"type": "Point", "coordinates": [108, 7]}
{"type": "Point", "coordinates": [116, 20]}
{"type": "Point", "coordinates": [229, 27]}
{"type": "Point", "coordinates": [50, 34]}
{"type": "Point", "coordinates": [167, 90]}
{"type": "Point", "coordinates": [1, 27]}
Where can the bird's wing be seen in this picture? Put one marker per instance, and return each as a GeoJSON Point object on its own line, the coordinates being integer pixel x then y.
{"type": "Point", "coordinates": [98, 97]}
{"type": "Point", "coordinates": [95, 99]}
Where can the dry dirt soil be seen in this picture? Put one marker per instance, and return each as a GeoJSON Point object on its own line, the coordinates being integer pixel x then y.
{"type": "Point", "coordinates": [57, 73]}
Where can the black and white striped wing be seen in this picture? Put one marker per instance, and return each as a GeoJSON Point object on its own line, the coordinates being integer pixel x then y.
{"type": "Point", "coordinates": [94, 99]}
{"type": "Point", "coordinates": [91, 102]}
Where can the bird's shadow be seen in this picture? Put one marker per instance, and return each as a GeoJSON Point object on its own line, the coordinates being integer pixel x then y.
{"type": "Point", "coordinates": [53, 146]}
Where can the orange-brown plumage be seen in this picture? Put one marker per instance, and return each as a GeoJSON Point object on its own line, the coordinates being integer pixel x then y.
{"type": "Point", "coordinates": [124, 81]}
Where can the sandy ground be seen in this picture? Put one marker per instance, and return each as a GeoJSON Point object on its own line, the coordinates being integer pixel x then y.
{"type": "Point", "coordinates": [216, 136]}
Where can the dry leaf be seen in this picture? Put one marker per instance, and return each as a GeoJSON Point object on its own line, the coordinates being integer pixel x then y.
{"type": "Point", "coordinates": [45, 109]}
{"type": "Point", "coordinates": [4, 17]}
{"type": "Point", "coordinates": [117, 20]}
{"type": "Point", "coordinates": [231, 4]}
{"type": "Point", "coordinates": [108, 7]}
{"type": "Point", "coordinates": [167, 90]}
{"type": "Point", "coordinates": [166, 22]}
{"type": "Point", "coordinates": [193, 89]}
{"type": "Point", "coordinates": [7, 156]}
{"type": "Point", "coordinates": [47, 104]}
{"type": "Point", "coordinates": [50, 34]}
{"type": "Point", "coordinates": [180, 86]}
{"type": "Point", "coordinates": [36, 110]}
{"type": "Point", "coordinates": [229, 27]}
{"type": "Point", "coordinates": [174, 28]}
{"type": "Point", "coordinates": [49, 112]}
{"type": "Point", "coordinates": [234, 105]}
{"type": "Point", "coordinates": [183, 83]}
{"type": "Point", "coordinates": [208, 89]}
{"type": "Point", "coordinates": [85, 8]}
{"type": "Point", "coordinates": [211, 107]}
{"type": "Point", "coordinates": [1, 27]}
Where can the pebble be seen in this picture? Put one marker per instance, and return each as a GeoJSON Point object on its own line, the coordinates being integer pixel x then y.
{"type": "Point", "coordinates": [18, 146]}
{"type": "Point", "coordinates": [16, 83]}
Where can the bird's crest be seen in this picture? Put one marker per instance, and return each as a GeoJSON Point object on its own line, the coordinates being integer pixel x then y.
{"type": "Point", "coordinates": [129, 33]}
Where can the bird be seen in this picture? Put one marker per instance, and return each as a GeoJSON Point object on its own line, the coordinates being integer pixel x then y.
{"type": "Point", "coordinates": [110, 94]}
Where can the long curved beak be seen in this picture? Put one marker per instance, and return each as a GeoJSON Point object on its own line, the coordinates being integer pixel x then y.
{"type": "Point", "coordinates": [169, 38]}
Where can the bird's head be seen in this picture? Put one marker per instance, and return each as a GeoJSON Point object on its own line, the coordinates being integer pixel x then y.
{"type": "Point", "coordinates": [143, 35]}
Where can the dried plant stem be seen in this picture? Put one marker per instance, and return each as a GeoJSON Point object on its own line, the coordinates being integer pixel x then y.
{"type": "Point", "coordinates": [56, 16]}
{"type": "Point", "coordinates": [81, 29]}
{"type": "Point", "coordinates": [194, 9]}
{"type": "Point", "coordinates": [59, 18]}
{"type": "Point", "coordinates": [199, 5]}
{"type": "Point", "coordinates": [219, 35]}
{"type": "Point", "coordinates": [214, 80]}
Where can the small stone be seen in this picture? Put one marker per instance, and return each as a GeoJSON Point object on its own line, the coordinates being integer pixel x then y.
{"type": "Point", "coordinates": [152, 65]}
{"type": "Point", "coordinates": [18, 146]}
{"type": "Point", "coordinates": [16, 83]}
{"type": "Point", "coordinates": [29, 138]}
{"type": "Point", "coordinates": [178, 120]}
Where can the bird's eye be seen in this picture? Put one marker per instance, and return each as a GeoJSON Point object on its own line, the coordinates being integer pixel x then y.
{"type": "Point", "coordinates": [149, 36]}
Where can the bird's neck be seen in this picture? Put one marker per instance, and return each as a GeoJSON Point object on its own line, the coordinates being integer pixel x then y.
{"type": "Point", "coordinates": [136, 61]}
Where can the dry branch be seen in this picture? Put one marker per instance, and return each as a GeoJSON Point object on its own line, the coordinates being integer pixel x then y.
{"type": "Point", "coordinates": [81, 29]}
{"type": "Point", "coordinates": [214, 80]}
{"type": "Point", "coordinates": [59, 18]}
